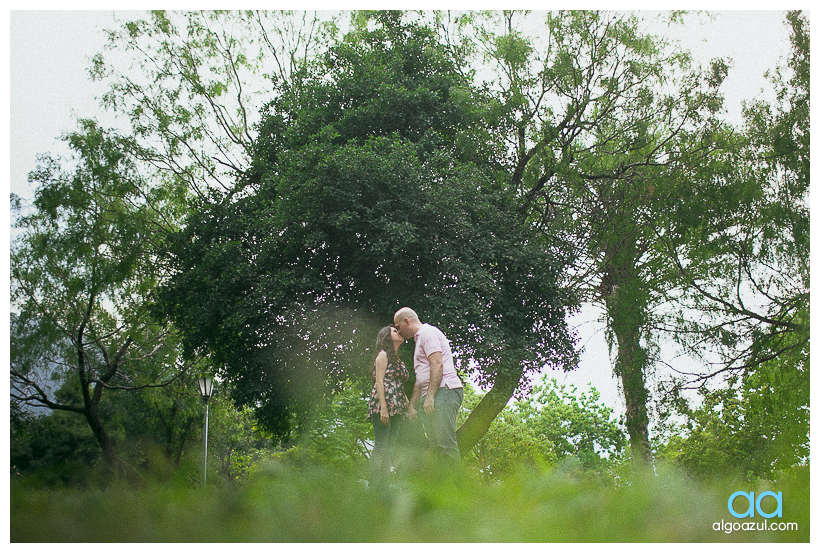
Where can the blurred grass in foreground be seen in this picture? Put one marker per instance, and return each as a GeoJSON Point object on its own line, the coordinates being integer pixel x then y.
{"type": "Point", "coordinates": [321, 505]}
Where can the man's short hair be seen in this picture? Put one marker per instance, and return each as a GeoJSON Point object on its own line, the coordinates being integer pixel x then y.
{"type": "Point", "coordinates": [405, 313]}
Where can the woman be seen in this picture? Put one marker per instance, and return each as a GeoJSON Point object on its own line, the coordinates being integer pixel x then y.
{"type": "Point", "coordinates": [388, 401]}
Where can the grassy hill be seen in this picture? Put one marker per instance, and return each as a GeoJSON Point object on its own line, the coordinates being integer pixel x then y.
{"type": "Point", "coordinates": [282, 504]}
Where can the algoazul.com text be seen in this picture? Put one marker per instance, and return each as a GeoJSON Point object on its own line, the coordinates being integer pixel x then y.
{"type": "Point", "coordinates": [764, 526]}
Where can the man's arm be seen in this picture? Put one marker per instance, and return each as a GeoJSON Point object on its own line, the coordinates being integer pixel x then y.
{"type": "Point", "coordinates": [436, 372]}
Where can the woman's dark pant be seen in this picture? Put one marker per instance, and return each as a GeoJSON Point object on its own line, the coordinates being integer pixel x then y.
{"type": "Point", "coordinates": [384, 447]}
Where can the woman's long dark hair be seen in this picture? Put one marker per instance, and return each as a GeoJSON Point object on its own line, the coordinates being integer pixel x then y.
{"type": "Point", "coordinates": [384, 342]}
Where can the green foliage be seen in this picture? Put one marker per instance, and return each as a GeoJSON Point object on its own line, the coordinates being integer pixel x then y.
{"type": "Point", "coordinates": [550, 426]}
{"type": "Point", "coordinates": [603, 121]}
{"type": "Point", "coordinates": [319, 505]}
{"type": "Point", "coordinates": [755, 428]}
{"type": "Point", "coordinates": [577, 425]}
{"type": "Point", "coordinates": [509, 445]}
{"type": "Point", "coordinates": [192, 89]}
{"type": "Point", "coordinates": [159, 424]}
{"type": "Point", "coordinates": [336, 433]}
{"type": "Point", "coordinates": [158, 430]}
{"type": "Point", "coordinates": [235, 438]}
{"type": "Point", "coordinates": [53, 450]}
{"type": "Point", "coordinates": [748, 300]}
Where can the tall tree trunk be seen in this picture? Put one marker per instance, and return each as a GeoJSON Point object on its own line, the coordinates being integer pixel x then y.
{"type": "Point", "coordinates": [477, 424]}
{"type": "Point", "coordinates": [92, 416]}
{"type": "Point", "coordinates": [629, 366]}
{"type": "Point", "coordinates": [91, 403]}
{"type": "Point", "coordinates": [625, 302]}
{"type": "Point", "coordinates": [182, 439]}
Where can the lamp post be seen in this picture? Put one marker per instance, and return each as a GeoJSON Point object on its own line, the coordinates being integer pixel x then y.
{"type": "Point", "coordinates": [206, 388]}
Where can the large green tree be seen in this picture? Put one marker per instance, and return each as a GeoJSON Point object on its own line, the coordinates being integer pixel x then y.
{"type": "Point", "coordinates": [369, 193]}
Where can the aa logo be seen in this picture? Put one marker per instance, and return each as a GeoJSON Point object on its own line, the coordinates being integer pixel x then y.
{"type": "Point", "coordinates": [755, 505]}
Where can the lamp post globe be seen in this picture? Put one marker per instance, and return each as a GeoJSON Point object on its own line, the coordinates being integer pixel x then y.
{"type": "Point", "coordinates": [206, 387]}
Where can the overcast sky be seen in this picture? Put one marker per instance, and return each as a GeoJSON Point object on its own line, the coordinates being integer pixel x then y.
{"type": "Point", "coordinates": [49, 89]}
{"type": "Point", "coordinates": [50, 52]}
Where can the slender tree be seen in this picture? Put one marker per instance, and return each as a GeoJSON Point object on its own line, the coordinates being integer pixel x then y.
{"type": "Point", "coordinates": [599, 119]}
{"type": "Point", "coordinates": [747, 284]}
{"type": "Point", "coordinates": [749, 281]}
{"type": "Point", "coordinates": [82, 270]}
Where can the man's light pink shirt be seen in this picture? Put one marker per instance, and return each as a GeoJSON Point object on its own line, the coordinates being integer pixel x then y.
{"type": "Point", "coordinates": [429, 340]}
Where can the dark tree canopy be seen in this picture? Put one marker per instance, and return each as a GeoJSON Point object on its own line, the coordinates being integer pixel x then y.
{"type": "Point", "coordinates": [366, 194]}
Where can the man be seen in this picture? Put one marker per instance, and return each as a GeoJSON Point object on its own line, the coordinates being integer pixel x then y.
{"type": "Point", "coordinates": [437, 385]}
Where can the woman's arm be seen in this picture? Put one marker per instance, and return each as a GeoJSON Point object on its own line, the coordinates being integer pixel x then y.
{"type": "Point", "coordinates": [411, 405]}
{"type": "Point", "coordinates": [381, 369]}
